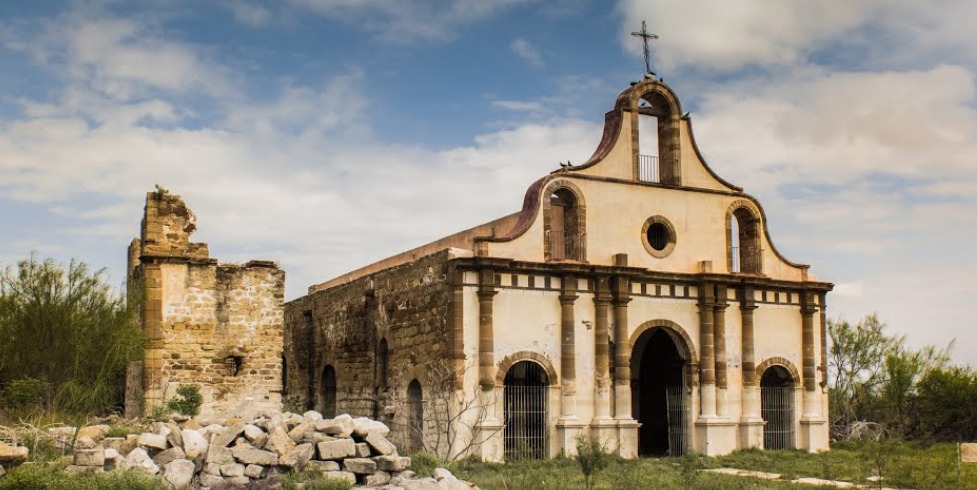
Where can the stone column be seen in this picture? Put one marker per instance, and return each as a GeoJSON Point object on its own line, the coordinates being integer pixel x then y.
{"type": "Point", "coordinates": [622, 349]}
{"type": "Point", "coordinates": [751, 424]}
{"type": "Point", "coordinates": [602, 302]}
{"type": "Point", "coordinates": [568, 358]}
{"type": "Point", "coordinates": [719, 321]}
{"type": "Point", "coordinates": [602, 426]}
{"type": "Point", "coordinates": [814, 426]}
{"type": "Point", "coordinates": [822, 297]}
{"type": "Point", "coordinates": [627, 427]}
{"type": "Point", "coordinates": [568, 426]}
{"type": "Point", "coordinates": [809, 373]}
{"type": "Point", "coordinates": [486, 337]}
{"type": "Point", "coordinates": [707, 377]}
{"type": "Point", "coordinates": [489, 428]}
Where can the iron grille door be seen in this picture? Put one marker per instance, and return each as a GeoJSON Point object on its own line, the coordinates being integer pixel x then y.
{"type": "Point", "coordinates": [677, 419]}
{"type": "Point", "coordinates": [525, 394]}
{"type": "Point", "coordinates": [777, 409]}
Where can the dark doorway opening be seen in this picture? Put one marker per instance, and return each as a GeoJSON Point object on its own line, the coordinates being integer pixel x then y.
{"type": "Point", "coordinates": [659, 394]}
{"type": "Point", "coordinates": [525, 393]}
{"type": "Point", "coordinates": [415, 414]}
{"type": "Point", "coordinates": [777, 408]}
{"type": "Point", "coordinates": [328, 392]}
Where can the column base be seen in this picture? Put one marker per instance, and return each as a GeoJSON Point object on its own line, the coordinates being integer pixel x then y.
{"type": "Point", "coordinates": [492, 447]}
{"type": "Point", "coordinates": [715, 436]}
{"type": "Point", "coordinates": [567, 430]}
{"type": "Point", "coordinates": [605, 430]}
{"type": "Point", "coordinates": [751, 432]}
{"type": "Point", "coordinates": [627, 437]}
{"type": "Point", "coordinates": [813, 436]}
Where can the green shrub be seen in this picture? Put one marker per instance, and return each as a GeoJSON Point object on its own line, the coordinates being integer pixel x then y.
{"type": "Point", "coordinates": [52, 477]}
{"type": "Point", "coordinates": [423, 463]}
{"type": "Point", "coordinates": [25, 393]}
{"type": "Point", "coordinates": [187, 401]}
{"type": "Point", "coordinates": [592, 457]}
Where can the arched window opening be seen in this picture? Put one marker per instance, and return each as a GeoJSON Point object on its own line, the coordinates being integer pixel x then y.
{"type": "Point", "coordinates": [383, 365]}
{"type": "Point", "coordinates": [777, 408]}
{"type": "Point", "coordinates": [525, 406]}
{"type": "Point", "coordinates": [415, 416]}
{"type": "Point", "coordinates": [657, 140]}
{"type": "Point", "coordinates": [744, 242]}
{"type": "Point", "coordinates": [328, 392]}
{"type": "Point", "coordinates": [566, 237]}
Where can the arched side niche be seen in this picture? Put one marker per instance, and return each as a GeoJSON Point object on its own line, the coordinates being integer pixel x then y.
{"type": "Point", "coordinates": [743, 231]}
{"type": "Point", "coordinates": [564, 223]}
{"type": "Point", "coordinates": [657, 153]}
{"type": "Point", "coordinates": [328, 390]}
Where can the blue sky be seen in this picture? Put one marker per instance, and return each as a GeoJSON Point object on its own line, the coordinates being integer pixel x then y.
{"type": "Point", "coordinates": [327, 134]}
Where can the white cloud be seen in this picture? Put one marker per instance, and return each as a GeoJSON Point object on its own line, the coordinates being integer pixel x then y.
{"type": "Point", "coordinates": [525, 50]}
{"type": "Point", "coordinates": [121, 58]}
{"type": "Point", "coordinates": [249, 13]}
{"type": "Point", "coordinates": [409, 19]}
{"type": "Point", "coordinates": [709, 35]}
{"type": "Point", "coordinates": [831, 128]}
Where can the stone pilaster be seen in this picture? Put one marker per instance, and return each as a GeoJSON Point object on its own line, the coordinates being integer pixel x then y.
{"type": "Point", "coordinates": [602, 425]}
{"type": "Point", "coordinates": [627, 427]}
{"type": "Point", "coordinates": [707, 362]}
{"type": "Point", "coordinates": [568, 426]}
{"type": "Point", "coordinates": [719, 322]}
{"type": "Point", "coordinates": [486, 335]}
{"type": "Point", "coordinates": [814, 429]}
{"type": "Point", "coordinates": [751, 424]}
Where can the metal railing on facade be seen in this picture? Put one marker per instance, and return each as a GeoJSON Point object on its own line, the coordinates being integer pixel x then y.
{"type": "Point", "coordinates": [648, 168]}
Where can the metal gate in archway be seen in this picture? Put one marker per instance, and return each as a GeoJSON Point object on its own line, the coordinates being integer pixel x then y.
{"type": "Point", "coordinates": [525, 392]}
{"type": "Point", "coordinates": [777, 408]}
{"type": "Point", "coordinates": [678, 419]}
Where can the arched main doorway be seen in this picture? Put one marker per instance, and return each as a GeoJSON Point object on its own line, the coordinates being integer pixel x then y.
{"type": "Point", "coordinates": [777, 408]}
{"type": "Point", "coordinates": [525, 393]}
{"type": "Point", "coordinates": [659, 394]}
{"type": "Point", "coordinates": [328, 392]}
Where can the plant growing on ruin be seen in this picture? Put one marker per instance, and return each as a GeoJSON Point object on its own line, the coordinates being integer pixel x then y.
{"type": "Point", "coordinates": [187, 401]}
{"type": "Point", "coordinates": [592, 457]}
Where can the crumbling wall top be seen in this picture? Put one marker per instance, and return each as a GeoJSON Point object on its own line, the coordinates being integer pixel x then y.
{"type": "Point", "coordinates": [166, 228]}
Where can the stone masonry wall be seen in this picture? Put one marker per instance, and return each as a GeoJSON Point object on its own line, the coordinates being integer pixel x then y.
{"type": "Point", "coordinates": [218, 327]}
{"type": "Point", "coordinates": [408, 306]}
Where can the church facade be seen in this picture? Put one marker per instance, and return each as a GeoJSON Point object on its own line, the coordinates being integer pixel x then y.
{"type": "Point", "coordinates": [637, 297]}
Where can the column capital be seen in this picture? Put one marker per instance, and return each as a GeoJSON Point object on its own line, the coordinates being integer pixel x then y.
{"type": "Point", "coordinates": [486, 294]}
{"type": "Point", "coordinates": [567, 299]}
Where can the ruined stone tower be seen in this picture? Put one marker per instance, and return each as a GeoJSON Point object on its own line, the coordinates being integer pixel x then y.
{"type": "Point", "coordinates": [215, 326]}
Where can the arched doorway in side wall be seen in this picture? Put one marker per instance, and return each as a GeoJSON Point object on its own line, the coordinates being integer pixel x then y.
{"type": "Point", "coordinates": [777, 408]}
{"type": "Point", "coordinates": [526, 388]}
{"type": "Point", "coordinates": [659, 392]}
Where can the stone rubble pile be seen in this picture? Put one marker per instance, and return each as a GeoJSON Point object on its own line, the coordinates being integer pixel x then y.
{"type": "Point", "coordinates": [11, 456]}
{"type": "Point", "coordinates": [236, 453]}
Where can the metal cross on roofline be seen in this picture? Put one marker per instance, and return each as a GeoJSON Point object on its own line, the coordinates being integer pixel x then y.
{"type": "Point", "coordinates": [645, 36]}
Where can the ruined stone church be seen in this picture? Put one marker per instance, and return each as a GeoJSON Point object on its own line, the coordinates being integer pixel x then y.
{"type": "Point", "coordinates": [637, 297]}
